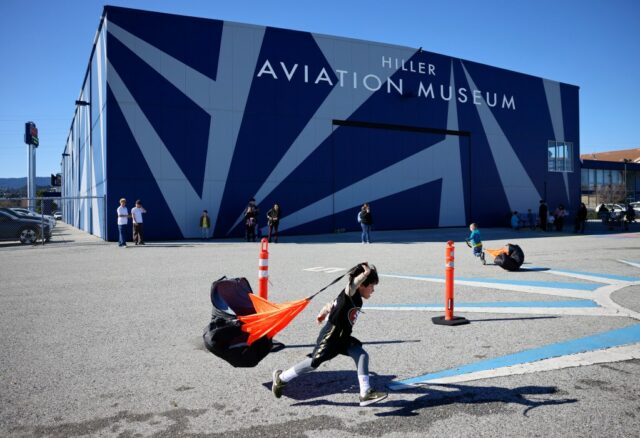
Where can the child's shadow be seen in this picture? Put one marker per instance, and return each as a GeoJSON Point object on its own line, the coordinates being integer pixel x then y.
{"type": "Point", "coordinates": [320, 384]}
{"type": "Point", "coordinates": [323, 383]}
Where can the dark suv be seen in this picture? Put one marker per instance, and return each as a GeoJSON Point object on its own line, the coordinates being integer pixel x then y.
{"type": "Point", "coordinates": [23, 228]}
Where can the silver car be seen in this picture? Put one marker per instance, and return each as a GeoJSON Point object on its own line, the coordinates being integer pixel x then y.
{"type": "Point", "coordinates": [23, 211]}
{"type": "Point", "coordinates": [26, 229]}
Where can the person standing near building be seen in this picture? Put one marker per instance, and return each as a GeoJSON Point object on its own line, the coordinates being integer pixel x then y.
{"type": "Point", "coordinates": [273, 220]}
{"type": "Point", "coordinates": [515, 221]}
{"type": "Point", "coordinates": [559, 215]}
{"type": "Point", "coordinates": [542, 214]}
{"type": "Point", "coordinates": [366, 220]}
{"type": "Point", "coordinates": [205, 224]}
{"type": "Point", "coordinates": [250, 222]}
{"type": "Point", "coordinates": [136, 218]}
{"type": "Point", "coordinates": [629, 216]}
{"type": "Point", "coordinates": [123, 220]}
{"type": "Point", "coordinates": [581, 219]}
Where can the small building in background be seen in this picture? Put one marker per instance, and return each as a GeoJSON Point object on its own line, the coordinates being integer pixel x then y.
{"type": "Point", "coordinates": [611, 177]}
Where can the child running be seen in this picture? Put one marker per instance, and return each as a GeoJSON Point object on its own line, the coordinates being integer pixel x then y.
{"type": "Point", "coordinates": [475, 242]}
{"type": "Point", "coordinates": [335, 337]}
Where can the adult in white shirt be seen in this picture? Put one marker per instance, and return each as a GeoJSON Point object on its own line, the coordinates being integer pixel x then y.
{"type": "Point", "coordinates": [123, 219]}
{"type": "Point", "coordinates": [136, 217]}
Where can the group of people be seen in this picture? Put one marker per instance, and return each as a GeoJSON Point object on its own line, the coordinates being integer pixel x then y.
{"type": "Point", "coordinates": [251, 221]}
{"type": "Point", "coordinates": [611, 217]}
{"type": "Point", "coordinates": [251, 217]}
{"type": "Point", "coordinates": [136, 218]}
{"type": "Point", "coordinates": [251, 226]}
{"type": "Point", "coordinates": [549, 220]}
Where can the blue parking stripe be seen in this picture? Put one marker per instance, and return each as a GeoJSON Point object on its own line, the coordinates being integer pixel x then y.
{"type": "Point", "coordinates": [532, 283]}
{"type": "Point", "coordinates": [534, 304]}
{"type": "Point", "coordinates": [596, 274]}
{"type": "Point", "coordinates": [547, 284]}
{"type": "Point", "coordinates": [613, 338]}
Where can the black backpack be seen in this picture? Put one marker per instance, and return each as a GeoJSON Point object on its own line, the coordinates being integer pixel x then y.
{"type": "Point", "coordinates": [223, 336]}
{"type": "Point", "coordinates": [512, 260]}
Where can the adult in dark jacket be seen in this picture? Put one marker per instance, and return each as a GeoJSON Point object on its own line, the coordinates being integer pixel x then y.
{"type": "Point", "coordinates": [366, 220]}
{"type": "Point", "coordinates": [273, 220]}
{"type": "Point", "coordinates": [629, 215]}
{"type": "Point", "coordinates": [250, 223]}
{"type": "Point", "coordinates": [542, 214]}
{"type": "Point", "coordinates": [581, 219]}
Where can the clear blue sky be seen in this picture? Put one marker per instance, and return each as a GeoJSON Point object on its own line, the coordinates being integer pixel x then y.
{"type": "Point", "coordinates": [594, 44]}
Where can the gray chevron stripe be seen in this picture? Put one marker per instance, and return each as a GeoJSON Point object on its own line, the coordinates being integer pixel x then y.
{"type": "Point", "coordinates": [554, 102]}
{"type": "Point", "coordinates": [440, 161]}
{"type": "Point", "coordinates": [232, 84]}
{"type": "Point", "coordinates": [339, 104]}
{"type": "Point", "coordinates": [431, 164]}
{"type": "Point", "coordinates": [452, 208]}
{"type": "Point", "coordinates": [520, 190]}
{"type": "Point", "coordinates": [177, 190]}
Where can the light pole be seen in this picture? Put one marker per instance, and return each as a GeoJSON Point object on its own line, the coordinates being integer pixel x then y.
{"type": "Point", "coordinates": [31, 139]}
{"type": "Point", "coordinates": [65, 180]}
{"type": "Point", "coordinates": [626, 160]}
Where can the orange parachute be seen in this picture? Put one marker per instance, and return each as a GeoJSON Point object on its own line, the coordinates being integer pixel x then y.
{"type": "Point", "coordinates": [510, 258]}
{"type": "Point", "coordinates": [497, 252]}
{"type": "Point", "coordinates": [269, 318]}
{"type": "Point", "coordinates": [243, 324]}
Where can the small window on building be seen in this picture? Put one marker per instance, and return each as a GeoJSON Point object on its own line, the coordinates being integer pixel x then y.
{"type": "Point", "coordinates": [560, 156]}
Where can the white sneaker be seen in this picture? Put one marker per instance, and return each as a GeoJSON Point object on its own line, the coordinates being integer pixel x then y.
{"type": "Point", "coordinates": [372, 396]}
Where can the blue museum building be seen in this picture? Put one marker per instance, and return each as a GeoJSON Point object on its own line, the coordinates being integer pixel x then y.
{"type": "Point", "coordinates": [188, 114]}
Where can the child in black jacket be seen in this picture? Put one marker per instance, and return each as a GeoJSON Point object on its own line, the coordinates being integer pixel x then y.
{"type": "Point", "coordinates": [335, 337]}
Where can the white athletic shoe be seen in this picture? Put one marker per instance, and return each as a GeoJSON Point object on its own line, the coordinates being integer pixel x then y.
{"type": "Point", "coordinates": [372, 396]}
{"type": "Point", "coordinates": [277, 385]}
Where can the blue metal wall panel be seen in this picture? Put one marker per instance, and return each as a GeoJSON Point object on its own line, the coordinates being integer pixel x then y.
{"type": "Point", "coordinates": [253, 114]}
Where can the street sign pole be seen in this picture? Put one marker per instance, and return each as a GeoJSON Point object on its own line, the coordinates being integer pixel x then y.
{"type": "Point", "coordinates": [31, 180]}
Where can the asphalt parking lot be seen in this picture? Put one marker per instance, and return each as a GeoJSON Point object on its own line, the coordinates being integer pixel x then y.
{"type": "Point", "coordinates": [105, 341]}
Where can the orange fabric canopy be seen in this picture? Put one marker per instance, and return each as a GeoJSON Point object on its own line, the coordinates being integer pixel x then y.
{"type": "Point", "coordinates": [269, 318]}
{"type": "Point", "coordinates": [496, 252]}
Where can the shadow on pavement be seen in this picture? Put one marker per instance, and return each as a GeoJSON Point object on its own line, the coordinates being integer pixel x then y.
{"type": "Point", "coordinates": [364, 343]}
{"type": "Point", "coordinates": [511, 319]}
{"type": "Point", "coordinates": [321, 385]}
{"type": "Point", "coordinates": [448, 394]}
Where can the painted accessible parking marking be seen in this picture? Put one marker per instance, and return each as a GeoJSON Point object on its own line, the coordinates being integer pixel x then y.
{"type": "Point", "coordinates": [614, 338]}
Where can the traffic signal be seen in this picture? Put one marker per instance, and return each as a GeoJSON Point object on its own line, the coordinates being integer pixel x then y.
{"type": "Point", "coordinates": [31, 134]}
{"type": "Point", "coordinates": [56, 180]}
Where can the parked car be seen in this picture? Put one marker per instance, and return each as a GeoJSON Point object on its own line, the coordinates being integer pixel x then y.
{"type": "Point", "coordinates": [24, 211]}
{"type": "Point", "coordinates": [57, 215]}
{"type": "Point", "coordinates": [612, 208]}
{"type": "Point", "coordinates": [26, 229]}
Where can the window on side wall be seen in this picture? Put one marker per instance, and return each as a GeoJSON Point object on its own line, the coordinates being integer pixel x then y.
{"type": "Point", "coordinates": [560, 156]}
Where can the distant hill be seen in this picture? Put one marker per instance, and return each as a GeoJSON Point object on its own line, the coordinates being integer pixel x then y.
{"type": "Point", "coordinates": [16, 183]}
